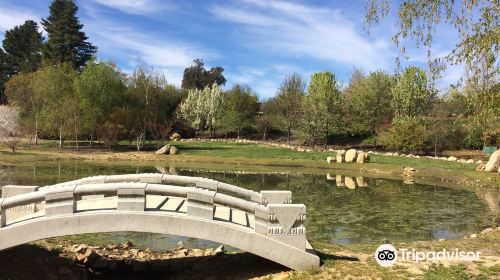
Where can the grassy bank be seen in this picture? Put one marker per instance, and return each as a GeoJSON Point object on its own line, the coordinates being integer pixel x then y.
{"type": "Point", "coordinates": [253, 156]}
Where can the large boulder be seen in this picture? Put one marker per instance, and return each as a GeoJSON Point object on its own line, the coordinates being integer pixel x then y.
{"type": "Point", "coordinates": [175, 136]}
{"type": "Point", "coordinates": [350, 155]}
{"type": "Point", "coordinates": [330, 159]}
{"type": "Point", "coordinates": [174, 150]}
{"type": "Point", "coordinates": [163, 150]}
{"type": "Point", "coordinates": [362, 157]}
{"type": "Point", "coordinates": [340, 156]}
{"type": "Point", "coordinates": [452, 158]}
{"type": "Point", "coordinates": [480, 167]}
{"type": "Point", "coordinates": [493, 163]}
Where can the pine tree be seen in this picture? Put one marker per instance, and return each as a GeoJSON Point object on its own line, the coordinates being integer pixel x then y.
{"type": "Point", "coordinates": [67, 42]}
{"type": "Point", "coordinates": [22, 45]}
{"type": "Point", "coordinates": [5, 73]}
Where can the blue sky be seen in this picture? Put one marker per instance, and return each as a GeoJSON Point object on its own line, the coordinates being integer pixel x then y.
{"type": "Point", "coordinates": [258, 42]}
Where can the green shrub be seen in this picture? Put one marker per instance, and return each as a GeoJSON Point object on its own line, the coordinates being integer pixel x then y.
{"type": "Point", "coordinates": [406, 135]}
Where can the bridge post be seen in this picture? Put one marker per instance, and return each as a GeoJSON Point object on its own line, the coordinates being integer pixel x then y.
{"type": "Point", "coordinates": [200, 203]}
{"type": "Point", "coordinates": [132, 198]}
{"type": "Point", "coordinates": [60, 201]}
{"type": "Point", "coordinates": [2, 214]}
{"type": "Point", "coordinates": [286, 224]}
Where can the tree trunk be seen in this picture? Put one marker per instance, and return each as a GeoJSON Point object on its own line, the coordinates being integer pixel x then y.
{"type": "Point", "coordinates": [289, 134]}
{"type": "Point", "coordinates": [36, 131]}
{"type": "Point", "coordinates": [435, 149]}
{"type": "Point", "coordinates": [238, 133]}
{"type": "Point", "coordinates": [92, 137]}
{"type": "Point", "coordinates": [60, 139]}
{"type": "Point", "coordinates": [264, 136]}
{"type": "Point", "coordinates": [76, 136]}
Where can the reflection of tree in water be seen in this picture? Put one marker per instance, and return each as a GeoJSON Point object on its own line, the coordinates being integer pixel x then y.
{"type": "Point", "coordinates": [385, 209]}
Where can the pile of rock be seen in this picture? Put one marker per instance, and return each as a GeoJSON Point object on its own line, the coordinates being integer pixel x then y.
{"type": "Point", "coordinates": [126, 256]}
{"type": "Point", "coordinates": [167, 150]}
{"type": "Point", "coordinates": [493, 164]}
{"type": "Point", "coordinates": [351, 155]}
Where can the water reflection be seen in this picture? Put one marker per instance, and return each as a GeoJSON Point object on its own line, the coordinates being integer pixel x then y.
{"type": "Point", "coordinates": [341, 208]}
{"type": "Point", "coordinates": [347, 181]}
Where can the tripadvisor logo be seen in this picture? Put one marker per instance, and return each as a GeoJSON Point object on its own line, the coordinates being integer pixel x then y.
{"type": "Point", "coordinates": [386, 255]}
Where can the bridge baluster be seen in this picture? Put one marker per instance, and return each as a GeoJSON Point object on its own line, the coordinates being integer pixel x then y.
{"type": "Point", "coordinates": [60, 201]}
{"type": "Point", "coordinates": [132, 198]}
{"type": "Point", "coordinates": [2, 214]}
{"type": "Point", "coordinates": [200, 203]}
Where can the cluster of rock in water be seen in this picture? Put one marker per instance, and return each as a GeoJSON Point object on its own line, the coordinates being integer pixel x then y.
{"type": "Point", "coordinates": [351, 155]}
{"type": "Point", "coordinates": [125, 256]}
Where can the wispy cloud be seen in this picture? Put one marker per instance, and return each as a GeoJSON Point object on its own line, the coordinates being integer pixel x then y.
{"type": "Point", "coordinates": [298, 30]}
{"type": "Point", "coordinates": [10, 17]}
{"type": "Point", "coordinates": [139, 7]}
{"type": "Point", "coordinates": [126, 43]}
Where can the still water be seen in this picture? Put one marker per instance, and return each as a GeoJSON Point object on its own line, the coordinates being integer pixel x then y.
{"type": "Point", "coordinates": [372, 210]}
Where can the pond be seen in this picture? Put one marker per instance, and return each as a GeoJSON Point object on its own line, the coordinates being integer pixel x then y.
{"type": "Point", "coordinates": [365, 210]}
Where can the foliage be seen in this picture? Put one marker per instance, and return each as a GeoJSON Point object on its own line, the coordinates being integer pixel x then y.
{"type": "Point", "coordinates": [54, 85]}
{"type": "Point", "coordinates": [67, 43]}
{"type": "Point", "coordinates": [289, 101]}
{"type": "Point", "coordinates": [321, 107]}
{"type": "Point", "coordinates": [153, 99]}
{"type": "Point", "coordinates": [485, 106]}
{"type": "Point", "coordinates": [100, 88]}
{"type": "Point", "coordinates": [406, 135]}
{"type": "Point", "coordinates": [239, 110]}
{"type": "Point", "coordinates": [268, 117]}
{"type": "Point", "coordinates": [411, 96]}
{"type": "Point", "coordinates": [203, 108]}
{"type": "Point", "coordinates": [477, 23]}
{"type": "Point", "coordinates": [5, 73]}
{"type": "Point", "coordinates": [22, 92]}
{"type": "Point", "coordinates": [197, 77]}
{"type": "Point", "coordinates": [22, 45]}
{"type": "Point", "coordinates": [369, 102]}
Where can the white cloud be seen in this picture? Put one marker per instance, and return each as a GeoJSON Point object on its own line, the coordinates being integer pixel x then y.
{"type": "Point", "coordinates": [139, 7]}
{"type": "Point", "coordinates": [263, 81]}
{"type": "Point", "coordinates": [132, 46]}
{"type": "Point", "coordinates": [297, 30]}
{"type": "Point", "coordinates": [12, 17]}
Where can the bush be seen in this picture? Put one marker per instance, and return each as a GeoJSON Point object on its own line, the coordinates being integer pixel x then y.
{"type": "Point", "coordinates": [406, 135]}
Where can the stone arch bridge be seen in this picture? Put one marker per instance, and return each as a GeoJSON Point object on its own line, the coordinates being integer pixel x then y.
{"type": "Point", "coordinates": [264, 223]}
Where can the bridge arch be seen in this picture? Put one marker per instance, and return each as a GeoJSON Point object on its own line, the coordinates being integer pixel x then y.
{"type": "Point", "coordinates": [263, 223]}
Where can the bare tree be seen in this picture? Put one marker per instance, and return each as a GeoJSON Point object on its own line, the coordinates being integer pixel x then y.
{"type": "Point", "coordinates": [9, 127]}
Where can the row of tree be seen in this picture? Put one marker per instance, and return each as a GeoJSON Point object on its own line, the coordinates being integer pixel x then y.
{"type": "Point", "coordinates": [62, 92]}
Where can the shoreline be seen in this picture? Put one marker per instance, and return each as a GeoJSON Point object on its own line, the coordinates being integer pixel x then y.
{"type": "Point", "coordinates": [428, 171]}
{"type": "Point", "coordinates": [62, 257]}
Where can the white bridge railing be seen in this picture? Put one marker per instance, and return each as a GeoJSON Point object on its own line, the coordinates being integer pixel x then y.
{"type": "Point", "coordinates": [274, 215]}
